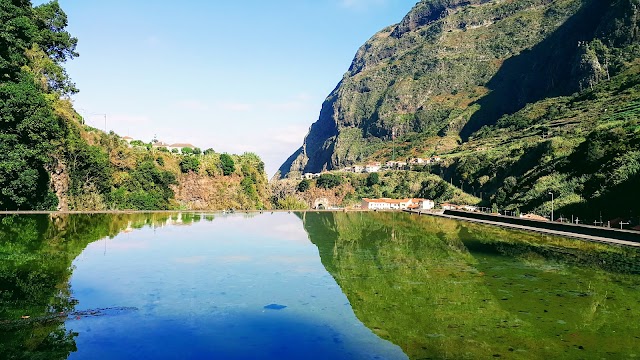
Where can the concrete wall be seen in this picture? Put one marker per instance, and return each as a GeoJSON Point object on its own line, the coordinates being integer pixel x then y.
{"type": "Point", "coordinates": [610, 233]}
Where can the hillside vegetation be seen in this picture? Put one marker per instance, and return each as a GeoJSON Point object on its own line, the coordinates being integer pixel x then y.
{"type": "Point", "coordinates": [50, 160]}
{"type": "Point", "coordinates": [521, 98]}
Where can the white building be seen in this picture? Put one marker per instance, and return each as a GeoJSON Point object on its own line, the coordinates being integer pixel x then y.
{"type": "Point", "coordinates": [425, 204]}
{"type": "Point", "coordinates": [179, 147]}
{"type": "Point", "coordinates": [371, 168]}
{"type": "Point", "coordinates": [397, 204]}
{"type": "Point", "coordinates": [160, 144]}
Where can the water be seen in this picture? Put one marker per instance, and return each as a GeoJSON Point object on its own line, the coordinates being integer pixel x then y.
{"type": "Point", "coordinates": [308, 285]}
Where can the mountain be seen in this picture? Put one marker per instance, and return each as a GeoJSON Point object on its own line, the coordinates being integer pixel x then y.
{"type": "Point", "coordinates": [453, 71]}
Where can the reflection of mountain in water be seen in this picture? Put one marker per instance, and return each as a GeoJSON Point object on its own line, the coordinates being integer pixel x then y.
{"type": "Point", "coordinates": [36, 255]}
{"type": "Point", "coordinates": [444, 289]}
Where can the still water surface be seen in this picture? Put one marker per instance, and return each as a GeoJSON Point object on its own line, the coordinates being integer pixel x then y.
{"type": "Point", "coordinates": [308, 285]}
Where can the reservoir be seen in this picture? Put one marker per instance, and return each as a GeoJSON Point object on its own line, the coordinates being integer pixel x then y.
{"type": "Point", "coordinates": [312, 285]}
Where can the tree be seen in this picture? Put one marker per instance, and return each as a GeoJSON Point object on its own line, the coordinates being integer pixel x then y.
{"type": "Point", "coordinates": [33, 44]}
{"type": "Point", "coordinates": [27, 132]}
{"type": "Point", "coordinates": [197, 151]}
{"type": "Point", "coordinates": [373, 179]}
{"type": "Point", "coordinates": [304, 185]}
{"type": "Point", "coordinates": [228, 165]}
{"type": "Point", "coordinates": [328, 181]}
{"type": "Point", "coordinates": [209, 151]}
{"type": "Point", "coordinates": [187, 150]}
{"type": "Point", "coordinates": [190, 163]}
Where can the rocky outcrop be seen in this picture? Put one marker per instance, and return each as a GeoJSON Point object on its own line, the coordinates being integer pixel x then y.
{"type": "Point", "coordinates": [59, 180]}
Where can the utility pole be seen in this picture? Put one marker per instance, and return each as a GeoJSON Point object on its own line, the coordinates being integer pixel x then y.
{"type": "Point", "coordinates": [550, 193]}
{"type": "Point", "coordinates": [393, 142]}
{"type": "Point", "coordinates": [105, 121]}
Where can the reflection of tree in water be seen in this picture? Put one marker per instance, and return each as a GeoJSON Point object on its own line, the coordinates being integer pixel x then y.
{"type": "Point", "coordinates": [36, 255]}
{"type": "Point", "coordinates": [446, 289]}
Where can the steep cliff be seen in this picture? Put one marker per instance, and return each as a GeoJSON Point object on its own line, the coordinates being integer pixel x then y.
{"type": "Point", "coordinates": [451, 67]}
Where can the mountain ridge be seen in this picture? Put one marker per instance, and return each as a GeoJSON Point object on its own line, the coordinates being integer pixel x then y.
{"type": "Point", "coordinates": [471, 54]}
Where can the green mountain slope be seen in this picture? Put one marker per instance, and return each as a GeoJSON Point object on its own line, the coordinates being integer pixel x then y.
{"type": "Point", "coordinates": [452, 70]}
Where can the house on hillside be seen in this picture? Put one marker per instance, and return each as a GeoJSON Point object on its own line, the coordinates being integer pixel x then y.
{"type": "Point", "coordinates": [160, 144]}
{"type": "Point", "coordinates": [417, 161]}
{"type": "Point", "coordinates": [371, 168]}
{"type": "Point", "coordinates": [179, 147]}
{"type": "Point", "coordinates": [128, 139]}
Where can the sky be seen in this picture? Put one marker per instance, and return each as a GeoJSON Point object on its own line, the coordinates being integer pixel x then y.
{"type": "Point", "coordinates": [235, 76]}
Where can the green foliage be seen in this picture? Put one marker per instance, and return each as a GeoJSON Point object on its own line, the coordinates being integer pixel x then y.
{"type": "Point", "coordinates": [290, 203]}
{"type": "Point", "coordinates": [373, 179]}
{"type": "Point", "coordinates": [187, 151]}
{"type": "Point", "coordinates": [89, 167]}
{"type": "Point", "coordinates": [28, 130]}
{"type": "Point", "coordinates": [304, 185]}
{"type": "Point", "coordinates": [189, 164]}
{"type": "Point", "coordinates": [197, 151]}
{"type": "Point", "coordinates": [147, 188]}
{"type": "Point", "coordinates": [228, 165]}
{"type": "Point", "coordinates": [328, 181]}
{"type": "Point", "coordinates": [33, 44]}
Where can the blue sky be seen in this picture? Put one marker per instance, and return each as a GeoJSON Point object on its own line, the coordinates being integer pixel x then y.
{"type": "Point", "coordinates": [234, 76]}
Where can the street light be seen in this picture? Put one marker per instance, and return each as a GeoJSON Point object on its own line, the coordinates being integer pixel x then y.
{"type": "Point", "coordinates": [550, 193]}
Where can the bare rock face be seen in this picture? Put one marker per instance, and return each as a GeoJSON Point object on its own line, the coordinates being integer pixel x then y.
{"type": "Point", "coordinates": [60, 183]}
{"type": "Point", "coordinates": [199, 192]}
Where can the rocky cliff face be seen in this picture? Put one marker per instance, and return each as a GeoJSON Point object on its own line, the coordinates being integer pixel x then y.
{"type": "Point", "coordinates": [451, 67]}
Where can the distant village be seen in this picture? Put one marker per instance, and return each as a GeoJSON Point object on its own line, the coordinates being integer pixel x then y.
{"type": "Point", "coordinates": [378, 166]}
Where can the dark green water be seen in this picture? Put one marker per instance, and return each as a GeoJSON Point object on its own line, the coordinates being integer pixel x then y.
{"type": "Point", "coordinates": [308, 285]}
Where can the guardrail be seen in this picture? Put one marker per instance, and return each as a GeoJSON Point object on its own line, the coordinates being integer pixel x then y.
{"type": "Point", "coordinates": [611, 233]}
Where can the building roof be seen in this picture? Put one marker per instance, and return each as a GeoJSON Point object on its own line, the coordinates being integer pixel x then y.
{"type": "Point", "coordinates": [182, 145]}
{"type": "Point", "coordinates": [386, 200]}
{"type": "Point", "coordinates": [160, 144]}
{"type": "Point", "coordinates": [127, 138]}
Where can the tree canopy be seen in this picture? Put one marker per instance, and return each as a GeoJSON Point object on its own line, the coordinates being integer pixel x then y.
{"type": "Point", "coordinates": [33, 46]}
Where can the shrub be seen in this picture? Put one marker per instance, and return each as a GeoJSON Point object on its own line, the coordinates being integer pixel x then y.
{"type": "Point", "coordinates": [304, 185]}
{"type": "Point", "coordinates": [373, 179]}
{"type": "Point", "coordinates": [328, 181]}
{"type": "Point", "coordinates": [189, 163]}
{"type": "Point", "coordinates": [228, 165]}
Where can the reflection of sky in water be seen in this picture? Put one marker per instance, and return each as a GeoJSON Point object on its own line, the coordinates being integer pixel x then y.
{"type": "Point", "coordinates": [201, 292]}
